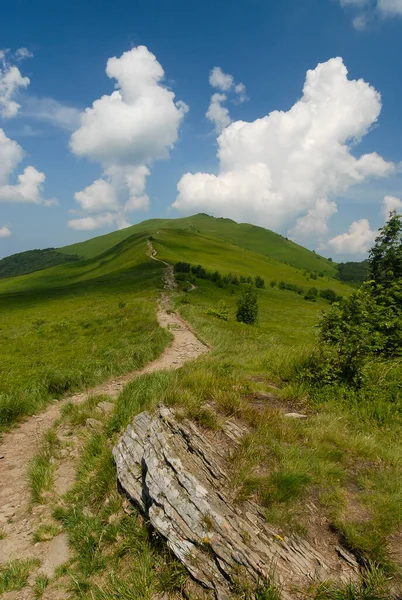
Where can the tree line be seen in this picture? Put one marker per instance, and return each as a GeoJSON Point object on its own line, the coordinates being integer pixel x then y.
{"type": "Point", "coordinates": [216, 277]}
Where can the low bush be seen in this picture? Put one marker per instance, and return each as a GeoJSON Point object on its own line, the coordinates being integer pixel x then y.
{"type": "Point", "coordinates": [330, 295]}
{"type": "Point", "coordinates": [221, 311]}
{"type": "Point", "coordinates": [292, 287]}
{"type": "Point", "coordinates": [311, 295]}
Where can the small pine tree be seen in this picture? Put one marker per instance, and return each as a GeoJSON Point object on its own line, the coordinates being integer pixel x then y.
{"type": "Point", "coordinates": [247, 307]}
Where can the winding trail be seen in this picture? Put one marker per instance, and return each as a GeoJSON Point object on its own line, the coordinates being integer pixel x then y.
{"type": "Point", "coordinates": [18, 519]}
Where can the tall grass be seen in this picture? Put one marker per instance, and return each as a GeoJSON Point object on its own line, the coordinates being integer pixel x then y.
{"type": "Point", "coordinates": [14, 575]}
{"type": "Point", "coordinates": [115, 555]}
{"type": "Point", "coordinates": [71, 327]}
{"type": "Point", "coordinates": [41, 468]}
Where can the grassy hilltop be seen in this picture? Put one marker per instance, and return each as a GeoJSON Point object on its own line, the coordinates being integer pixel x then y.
{"type": "Point", "coordinates": [334, 476]}
{"type": "Point", "coordinates": [257, 239]}
{"type": "Point", "coordinates": [70, 309]}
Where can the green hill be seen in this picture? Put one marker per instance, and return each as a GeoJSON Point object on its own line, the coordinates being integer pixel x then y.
{"type": "Point", "coordinates": [260, 240]}
{"type": "Point", "coordinates": [33, 260]}
{"type": "Point", "coordinates": [353, 272]}
{"type": "Point", "coordinates": [70, 310]}
{"type": "Point", "coordinates": [69, 327]}
{"type": "Point", "coordinates": [250, 237]}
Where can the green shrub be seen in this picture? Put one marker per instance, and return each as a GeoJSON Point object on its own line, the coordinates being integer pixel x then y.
{"type": "Point", "coordinates": [292, 287]}
{"type": "Point", "coordinates": [311, 294]}
{"type": "Point", "coordinates": [221, 311]}
{"type": "Point", "coordinates": [182, 267]}
{"type": "Point", "coordinates": [330, 295]}
{"type": "Point", "coordinates": [259, 282]}
{"type": "Point", "coordinates": [367, 325]}
{"type": "Point", "coordinates": [247, 306]}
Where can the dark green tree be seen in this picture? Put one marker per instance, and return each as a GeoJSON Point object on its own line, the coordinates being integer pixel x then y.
{"type": "Point", "coordinates": [247, 306]}
{"type": "Point", "coordinates": [368, 324]}
{"type": "Point", "coordinates": [385, 258]}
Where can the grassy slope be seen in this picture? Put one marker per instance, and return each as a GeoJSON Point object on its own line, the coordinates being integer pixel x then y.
{"type": "Point", "coordinates": [75, 325]}
{"type": "Point", "coordinates": [346, 459]}
{"type": "Point", "coordinates": [33, 260]}
{"type": "Point", "coordinates": [257, 239]}
{"type": "Point", "coordinates": [343, 460]}
{"type": "Point", "coordinates": [179, 245]}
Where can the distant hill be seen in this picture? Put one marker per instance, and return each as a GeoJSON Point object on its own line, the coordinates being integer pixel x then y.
{"type": "Point", "coordinates": [353, 272]}
{"type": "Point", "coordinates": [249, 237]}
{"type": "Point", "coordinates": [257, 239]}
{"type": "Point", "coordinates": [33, 260]}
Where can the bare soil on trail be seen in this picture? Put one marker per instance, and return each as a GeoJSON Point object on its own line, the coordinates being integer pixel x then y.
{"type": "Point", "coordinates": [18, 518]}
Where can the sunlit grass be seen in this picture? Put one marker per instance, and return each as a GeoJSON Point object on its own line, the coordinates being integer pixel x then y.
{"type": "Point", "coordinates": [14, 575]}
{"type": "Point", "coordinates": [71, 327]}
{"type": "Point", "coordinates": [41, 468]}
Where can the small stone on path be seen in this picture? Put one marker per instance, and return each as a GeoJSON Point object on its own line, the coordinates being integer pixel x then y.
{"type": "Point", "coordinates": [105, 407]}
{"type": "Point", "coordinates": [294, 415]}
{"type": "Point", "coordinates": [93, 424]}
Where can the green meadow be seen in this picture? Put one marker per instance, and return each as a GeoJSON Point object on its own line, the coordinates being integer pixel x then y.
{"type": "Point", "coordinates": [336, 473]}
{"type": "Point", "coordinates": [70, 327]}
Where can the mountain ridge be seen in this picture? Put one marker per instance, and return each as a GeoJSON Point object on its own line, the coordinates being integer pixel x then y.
{"type": "Point", "coordinates": [244, 235]}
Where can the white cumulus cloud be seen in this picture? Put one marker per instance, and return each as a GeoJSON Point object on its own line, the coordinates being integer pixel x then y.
{"type": "Point", "coordinates": [5, 232]}
{"type": "Point", "coordinates": [90, 223]}
{"type": "Point", "coordinates": [360, 237]}
{"type": "Point", "coordinates": [126, 131]}
{"type": "Point", "coordinates": [28, 188]}
{"type": "Point", "coordinates": [98, 196]}
{"type": "Point", "coordinates": [315, 222]}
{"type": "Point", "coordinates": [11, 82]}
{"type": "Point", "coordinates": [391, 203]}
{"type": "Point", "coordinates": [284, 164]}
{"type": "Point", "coordinates": [217, 113]}
{"type": "Point", "coordinates": [240, 90]}
{"type": "Point", "coordinates": [220, 80]}
{"type": "Point", "coordinates": [29, 183]}
{"type": "Point", "coordinates": [357, 241]}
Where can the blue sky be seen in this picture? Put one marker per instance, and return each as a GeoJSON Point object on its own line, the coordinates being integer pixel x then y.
{"type": "Point", "coordinates": [317, 172]}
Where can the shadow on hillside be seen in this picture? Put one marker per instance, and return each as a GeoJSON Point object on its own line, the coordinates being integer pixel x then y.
{"type": "Point", "coordinates": [122, 274]}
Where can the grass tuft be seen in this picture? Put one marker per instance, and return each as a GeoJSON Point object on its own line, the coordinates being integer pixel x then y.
{"type": "Point", "coordinates": [41, 468]}
{"type": "Point", "coordinates": [45, 532]}
{"type": "Point", "coordinates": [40, 585]}
{"type": "Point", "coordinates": [373, 586]}
{"type": "Point", "coordinates": [14, 575]}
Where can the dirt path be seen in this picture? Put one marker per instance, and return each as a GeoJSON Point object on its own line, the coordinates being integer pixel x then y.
{"type": "Point", "coordinates": [18, 520]}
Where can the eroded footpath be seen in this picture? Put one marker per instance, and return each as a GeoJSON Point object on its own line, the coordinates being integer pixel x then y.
{"type": "Point", "coordinates": [18, 519]}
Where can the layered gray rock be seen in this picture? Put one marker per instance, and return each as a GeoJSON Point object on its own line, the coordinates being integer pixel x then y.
{"type": "Point", "coordinates": [179, 478]}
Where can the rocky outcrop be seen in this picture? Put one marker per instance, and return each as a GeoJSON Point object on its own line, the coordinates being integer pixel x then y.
{"type": "Point", "coordinates": [178, 475]}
